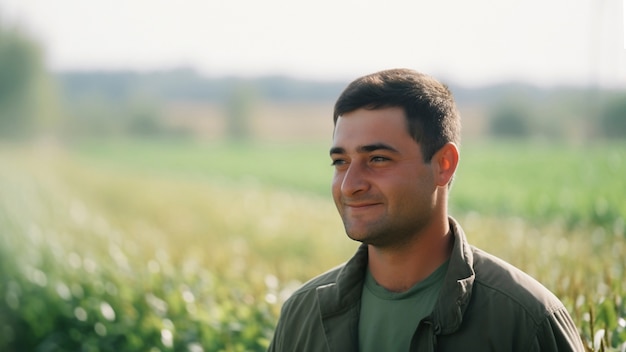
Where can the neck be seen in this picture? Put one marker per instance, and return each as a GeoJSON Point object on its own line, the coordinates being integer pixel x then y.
{"type": "Point", "coordinates": [399, 268]}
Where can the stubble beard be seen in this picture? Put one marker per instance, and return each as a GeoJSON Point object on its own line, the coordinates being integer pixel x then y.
{"type": "Point", "coordinates": [382, 233]}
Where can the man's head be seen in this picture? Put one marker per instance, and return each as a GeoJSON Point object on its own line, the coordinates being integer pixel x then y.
{"type": "Point", "coordinates": [431, 113]}
{"type": "Point", "coordinates": [394, 152]}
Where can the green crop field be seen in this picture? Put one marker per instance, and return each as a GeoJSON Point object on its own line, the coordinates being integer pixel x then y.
{"type": "Point", "coordinates": [180, 246]}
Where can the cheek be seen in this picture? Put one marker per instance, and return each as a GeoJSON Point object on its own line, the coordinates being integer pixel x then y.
{"type": "Point", "coordinates": [412, 189]}
{"type": "Point", "coordinates": [335, 186]}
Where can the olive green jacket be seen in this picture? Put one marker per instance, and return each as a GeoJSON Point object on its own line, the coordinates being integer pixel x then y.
{"type": "Point", "coordinates": [485, 304]}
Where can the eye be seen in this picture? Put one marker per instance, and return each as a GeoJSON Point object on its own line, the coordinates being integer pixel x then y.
{"type": "Point", "coordinates": [379, 159]}
{"type": "Point", "coordinates": [337, 162]}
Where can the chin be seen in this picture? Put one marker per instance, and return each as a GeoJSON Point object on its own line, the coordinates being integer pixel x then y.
{"type": "Point", "coordinates": [363, 238]}
{"type": "Point", "coordinates": [355, 238]}
{"type": "Point", "coordinates": [359, 237]}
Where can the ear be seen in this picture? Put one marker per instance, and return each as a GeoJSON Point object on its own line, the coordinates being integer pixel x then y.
{"type": "Point", "coordinates": [445, 162]}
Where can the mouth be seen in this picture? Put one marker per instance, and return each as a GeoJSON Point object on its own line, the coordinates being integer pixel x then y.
{"type": "Point", "coordinates": [360, 205]}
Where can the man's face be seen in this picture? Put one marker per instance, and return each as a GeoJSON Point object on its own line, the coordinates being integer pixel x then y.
{"type": "Point", "coordinates": [383, 189]}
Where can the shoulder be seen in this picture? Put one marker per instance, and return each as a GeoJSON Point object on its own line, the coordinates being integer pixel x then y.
{"type": "Point", "coordinates": [501, 277]}
{"type": "Point", "coordinates": [518, 308]}
{"type": "Point", "coordinates": [298, 326]}
{"type": "Point", "coordinates": [299, 323]}
{"type": "Point", "coordinates": [502, 281]}
{"type": "Point", "coordinates": [339, 285]}
{"type": "Point", "coordinates": [309, 288]}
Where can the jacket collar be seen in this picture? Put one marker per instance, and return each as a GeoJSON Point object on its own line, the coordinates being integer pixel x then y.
{"type": "Point", "coordinates": [339, 304]}
{"type": "Point", "coordinates": [346, 290]}
{"type": "Point", "coordinates": [456, 291]}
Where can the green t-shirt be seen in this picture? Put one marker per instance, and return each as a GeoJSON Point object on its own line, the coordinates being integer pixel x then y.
{"type": "Point", "coordinates": [388, 319]}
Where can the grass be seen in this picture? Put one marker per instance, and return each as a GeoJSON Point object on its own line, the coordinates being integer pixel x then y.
{"type": "Point", "coordinates": [183, 246]}
{"type": "Point", "coordinates": [581, 186]}
{"type": "Point", "coordinates": [291, 166]}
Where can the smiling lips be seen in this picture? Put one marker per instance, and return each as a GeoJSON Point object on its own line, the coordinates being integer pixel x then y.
{"type": "Point", "coordinates": [360, 205]}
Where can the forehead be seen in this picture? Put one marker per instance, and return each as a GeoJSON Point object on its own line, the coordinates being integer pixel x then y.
{"type": "Point", "coordinates": [364, 126]}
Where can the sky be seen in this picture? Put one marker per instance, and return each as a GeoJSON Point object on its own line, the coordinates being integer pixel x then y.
{"type": "Point", "coordinates": [478, 42]}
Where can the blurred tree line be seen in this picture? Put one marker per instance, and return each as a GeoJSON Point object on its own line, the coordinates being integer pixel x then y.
{"type": "Point", "coordinates": [564, 113]}
{"type": "Point", "coordinates": [27, 93]}
{"type": "Point", "coordinates": [35, 102]}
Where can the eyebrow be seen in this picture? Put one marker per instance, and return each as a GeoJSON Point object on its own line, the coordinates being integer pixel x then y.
{"type": "Point", "coordinates": [368, 148]}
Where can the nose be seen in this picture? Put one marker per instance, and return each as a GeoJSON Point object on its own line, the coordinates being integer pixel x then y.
{"type": "Point", "coordinates": [354, 180]}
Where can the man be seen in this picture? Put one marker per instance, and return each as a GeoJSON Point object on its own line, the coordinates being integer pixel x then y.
{"type": "Point", "coordinates": [415, 284]}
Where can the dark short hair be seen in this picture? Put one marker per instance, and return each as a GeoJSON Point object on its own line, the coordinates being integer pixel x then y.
{"type": "Point", "coordinates": [432, 117]}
